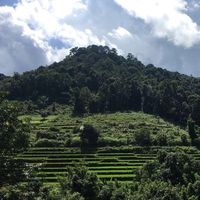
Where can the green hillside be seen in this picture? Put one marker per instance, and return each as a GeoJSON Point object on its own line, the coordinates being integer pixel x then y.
{"type": "Point", "coordinates": [115, 129]}
{"type": "Point", "coordinates": [118, 154]}
{"type": "Point", "coordinates": [96, 79]}
{"type": "Point", "coordinates": [99, 126]}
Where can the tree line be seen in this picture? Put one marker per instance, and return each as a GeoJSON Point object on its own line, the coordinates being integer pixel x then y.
{"type": "Point", "coordinates": [172, 176]}
{"type": "Point", "coordinates": [97, 79]}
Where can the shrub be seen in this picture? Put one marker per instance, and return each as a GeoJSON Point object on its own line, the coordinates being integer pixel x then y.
{"type": "Point", "coordinates": [131, 126]}
{"type": "Point", "coordinates": [47, 135]}
{"type": "Point", "coordinates": [110, 141]}
{"type": "Point", "coordinates": [106, 192]}
{"type": "Point", "coordinates": [184, 140]}
{"type": "Point", "coordinates": [161, 139]}
{"type": "Point", "coordinates": [44, 114]}
{"type": "Point", "coordinates": [80, 180]}
{"type": "Point", "coordinates": [68, 142]}
{"type": "Point", "coordinates": [176, 168]}
{"type": "Point", "coordinates": [196, 142]}
{"type": "Point", "coordinates": [75, 142]}
{"type": "Point", "coordinates": [142, 137]}
{"type": "Point", "coordinates": [48, 143]}
{"type": "Point", "coordinates": [76, 129]}
{"type": "Point", "coordinates": [191, 128]}
{"type": "Point", "coordinates": [54, 129]}
{"type": "Point", "coordinates": [89, 135]}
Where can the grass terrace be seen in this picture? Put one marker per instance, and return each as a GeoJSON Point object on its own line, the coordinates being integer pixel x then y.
{"type": "Point", "coordinates": [56, 144]}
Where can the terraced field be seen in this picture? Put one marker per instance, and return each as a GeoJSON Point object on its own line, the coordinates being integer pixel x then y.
{"type": "Point", "coordinates": [115, 129]}
{"type": "Point", "coordinates": [53, 162]}
{"type": "Point", "coordinates": [111, 162]}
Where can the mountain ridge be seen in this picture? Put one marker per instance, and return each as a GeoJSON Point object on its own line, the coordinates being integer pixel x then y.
{"type": "Point", "coordinates": [96, 79]}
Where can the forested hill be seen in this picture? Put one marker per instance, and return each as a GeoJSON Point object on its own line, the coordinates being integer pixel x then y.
{"type": "Point", "coordinates": [97, 79]}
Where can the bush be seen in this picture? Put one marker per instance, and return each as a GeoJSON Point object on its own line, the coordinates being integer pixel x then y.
{"type": "Point", "coordinates": [75, 142]}
{"type": "Point", "coordinates": [109, 141]}
{"type": "Point", "coordinates": [54, 129]}
{"type": "Point", "coordinates": [176, 168]}
{"type": "Point", "coordinates": [76, 129]}
{"type": "Point", "coordinates": [142, 137]}
{"type": "Point", "coordinates": [48, 143]}
{"type": "Point", "coordinates": [44, 114]}
{"type": "Point", "coordinates": [68, 142]}
{"type": "Point", "coordinates": [80, 180]}
{"type": "Point", "coordinates": [184, 140]}
{"type": "Point", "coordinates": [47, 135]}
{"type": "Point", "coordinates": [131, 126]}
{"type": "Point", "coordinates": [89, 135]}
{"type": "Point", "coordinates": [196, 142]}
{"type": "Point", "coordinates": [161, 139]}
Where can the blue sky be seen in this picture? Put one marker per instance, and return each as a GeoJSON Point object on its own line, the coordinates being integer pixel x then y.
{"type": "Point", "coordinates": [8, 2]}
{"type": "Point", "coordinates": [39, 32]}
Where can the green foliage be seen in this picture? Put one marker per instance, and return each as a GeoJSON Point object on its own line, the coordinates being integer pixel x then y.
{"type": "Point", "coordinates": [89, 136]}
{"type": "Point", "coordinates": [47, 143]}
{"type": "Point", "coordinates": [44, 114]}
{"type": "Point", "coordinates": [157, 190]}
{"type": "Point", "coordinates": [185, 140]}
{"type": "Point", "coordinates": [106, 192]}
{"type": "Point", "coordinates": [33, 190]}
{"type": "Point", "coordinates": [11, 171]}
{"type": "Point", "coordinates": [172, 176]}
{"type": "Point", "coordinates": [82, 102]}
{"type": "Point", "coordinates": [195, 113]}
{"type": "Point", "coordinates": [57, 195]}
{"type": "Point", "coordinates": [14, 137]}
{"type": "Point", "coordinates": [81, 181]}
{"type": "Point", "coordinates": [116, 129]}
{"type": "Point", "coordinates": [46, 135]}
{"type": "Point", "coordinates": [13, 132]}
{"type": "Point", "coordinates": [42, 102]}
{"type": "Point", "coordinates": [191, 129]}
{"type": "Point", "coordinates": [176, 168]}
{"type": "Point", "coordinates": [96, 79]}
{"type": "Point", "coordinates": [54, 129]}
{"type": "Point", "coordinates": [143, 137]}
{"type": "Point", "coordinates": [161, 139]}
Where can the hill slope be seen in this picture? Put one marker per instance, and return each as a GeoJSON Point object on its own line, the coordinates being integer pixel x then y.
{"type": "Point", "coordinates": [119, 153]}
{"type": "Point", "coordinates": [117, 129]}
{"type": "Point", "coordinates": [96, 79]}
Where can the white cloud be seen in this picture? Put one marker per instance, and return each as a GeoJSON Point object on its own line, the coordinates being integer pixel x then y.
{"type": "Point", "coordinates": [167, 19]}
{"type": "Point", "coordinates": [193, 5]}
{"type": "Point", "coordinates": [120, 33]}
{"type": "Point", "coordinates": [41, 20]}
{"type": "Point", "coordinates": [18, 52]}
{"type": "Point", "coordinates": [44, 19]}
{"type": "Point", "coordinates": [38, 32]}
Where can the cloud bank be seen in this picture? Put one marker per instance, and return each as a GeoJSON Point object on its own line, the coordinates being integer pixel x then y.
{"type": "Point", "coordinates": [167, 19]}
{"type": "Point", "coordinates": [39, 32]}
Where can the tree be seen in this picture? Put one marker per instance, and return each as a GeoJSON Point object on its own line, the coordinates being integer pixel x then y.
{"type": "Point", "coordinates": [143, 137]}
{"type": "Point", "coordinates": [191, 128]}
{"type": "Point", "coordinates": [89, 136]}
{"type": "Point", "coordinates": [82, 101]}
{"type": "Point", "coordinates": [195, 104]}
{"type": "Point", "coordinates": [79, 180]}
{"type": "Point", "coordinates": [79, 106]}
{"type": "Point", "coordinates": [44, 115]}
{"type": "Point", "coordinates": [14, 137]}
{"type": "Point", "coordinates": [157, 190]}
{"type": "Point", "coordinates": [14, 134]}
{"type": "Point", "coordinates": [118, 84]}
{"type": "Point", "coordinates": [176, 168]}
{"type": "Point", "coordinates": [31, 191]}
